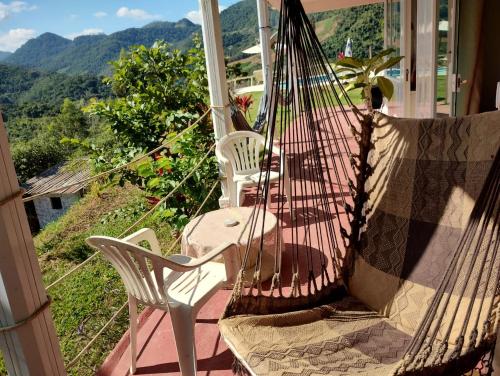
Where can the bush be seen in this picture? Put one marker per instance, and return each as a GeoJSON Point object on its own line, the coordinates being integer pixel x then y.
{"type": "Point", "coordinates": [33, 157]}
{"type": "Point", "coordinates": [159, 92]}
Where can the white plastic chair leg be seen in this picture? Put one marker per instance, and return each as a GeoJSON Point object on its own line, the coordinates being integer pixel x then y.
{"type": "Point", "coordinates": [239, 195]}
{"type": "Point", "coordinates": [183, 326]}
{"type": "Point", "coordinates": [132, 312]}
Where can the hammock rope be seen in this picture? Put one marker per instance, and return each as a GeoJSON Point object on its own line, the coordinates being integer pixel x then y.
{"type": "Point", "coordinates": [326, 217]}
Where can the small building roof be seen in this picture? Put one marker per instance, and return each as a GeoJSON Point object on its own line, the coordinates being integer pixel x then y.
{"type": "Point", "coordinates": [55, 179]}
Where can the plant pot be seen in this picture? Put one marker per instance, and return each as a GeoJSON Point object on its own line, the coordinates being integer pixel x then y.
{"type": "Point", "coordinates": [377, 97]}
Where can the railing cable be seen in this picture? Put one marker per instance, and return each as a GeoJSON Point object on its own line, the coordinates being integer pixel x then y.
{"type": "Point", "coordinates": [94, 255]}
{"type": "Point", "coordinates": [123, 166]}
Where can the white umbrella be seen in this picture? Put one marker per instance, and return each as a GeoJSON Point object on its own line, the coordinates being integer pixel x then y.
{"type": "Point", "coordinates": [348, 48]}
{"type": "Point", "coordinates": [253, 50]}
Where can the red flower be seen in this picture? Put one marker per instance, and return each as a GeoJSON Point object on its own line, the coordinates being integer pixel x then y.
{"type": "Point", "coordinates": [341, 55]}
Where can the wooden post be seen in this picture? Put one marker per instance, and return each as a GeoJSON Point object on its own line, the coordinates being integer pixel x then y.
{"type": "Point", "coordinates": [31, 349]}
{"type": "Point", "coordinates": [265, 44]}
{"type": "Point", "coordinates": [217, 86]}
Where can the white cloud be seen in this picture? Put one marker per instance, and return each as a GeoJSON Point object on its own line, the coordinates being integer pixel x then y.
{"type": "Point", "coordinates": [91, 31]}
{"type": "Point", "coordinates": [100, 14]}
{"type": "Point", "coordinates": [73, 17]}
{"type": "Point", "coordinates": [15, 38]}
{"type": "Point", "coordinates": [14, 7]}
{"type": "Point", "coordinates": [138, 14]}
{"type": "Point", "coordinates": [195, 15]}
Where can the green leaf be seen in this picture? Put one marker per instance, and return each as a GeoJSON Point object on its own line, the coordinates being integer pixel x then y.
{"type": "Point", "coordinates": [374, 61]}
{"type": "Point", "coordinates": [163, 163]}
{"type": "Point", "coordinates": [144, 170]}
{"type": "Point", "coordinates": [153, 183]}
{"type": "Point", "coordinates": [351, 75]}
{"type": "Point", "coordinates": [386, 87]}
{"type": "Point", "coordinates": [389, 63]}
{"type": "Point", "coordinates": [350, 62]}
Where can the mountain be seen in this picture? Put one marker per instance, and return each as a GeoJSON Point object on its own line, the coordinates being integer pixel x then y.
{"type": "Point", "coordinates": [4, 55]}
{"type": "Point", "coordinates": [91, 53]}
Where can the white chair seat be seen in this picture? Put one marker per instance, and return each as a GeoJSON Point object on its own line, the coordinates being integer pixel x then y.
{"type": "Point", "coordinates": [190, 288]}
{"type": "Point", "coordinates": [253, 179]}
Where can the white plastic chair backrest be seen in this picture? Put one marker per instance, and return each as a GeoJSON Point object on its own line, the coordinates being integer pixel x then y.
{"type": "Point", "coordinates": [134, 264]}
{"type": "Point", "coordinates": [242, 149]}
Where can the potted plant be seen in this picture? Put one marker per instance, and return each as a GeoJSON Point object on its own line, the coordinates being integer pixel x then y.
{"type": "Point", "coordinates": [366, 73]}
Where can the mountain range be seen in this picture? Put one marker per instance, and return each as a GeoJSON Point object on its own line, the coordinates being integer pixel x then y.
{"type": "Point", "coordinates": [4, 55]}
{"type": "Point", "coordinates": [91, 53]}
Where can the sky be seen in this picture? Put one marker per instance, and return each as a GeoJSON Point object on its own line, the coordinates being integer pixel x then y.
{"type": "Point", "coordinates": [26, 19]}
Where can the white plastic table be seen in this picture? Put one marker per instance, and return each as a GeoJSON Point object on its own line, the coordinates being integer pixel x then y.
{"type": "Point", "coordinates": [207, 231]}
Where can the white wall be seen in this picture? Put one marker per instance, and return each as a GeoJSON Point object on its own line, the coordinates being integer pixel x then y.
{"type": "Point", "coordinates": [44, 210]}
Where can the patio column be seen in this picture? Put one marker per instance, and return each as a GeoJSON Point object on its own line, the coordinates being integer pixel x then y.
{"type": "Point", "coordinates": [265, 44]}
{"type": "Point", "coordinates": [217, 86]}
{"type": "Point", "coordinates": [32, 348]}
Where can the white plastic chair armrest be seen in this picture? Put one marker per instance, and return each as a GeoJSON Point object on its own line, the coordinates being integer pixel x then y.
{"type": "Point", "coordinates": [145, 234]}
{"type": "Point", "coordinates": [181, 263]}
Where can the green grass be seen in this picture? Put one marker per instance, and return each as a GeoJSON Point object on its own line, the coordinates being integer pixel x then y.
{"type": "Point", "coordinates": [84, 301]}
{"type": "Point", "coordinates": [442, 88]}
{"type": "Point", "coordinates": [355, 96]}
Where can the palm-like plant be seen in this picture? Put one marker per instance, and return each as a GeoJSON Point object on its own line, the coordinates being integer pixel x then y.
{"type": "Point", "coordinates": [244, 102]}
{"type": "Point", "coordinates": [367, 73]}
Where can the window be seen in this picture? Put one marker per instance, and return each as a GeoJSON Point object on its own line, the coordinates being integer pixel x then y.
{"type": "Point", "coordinates": [56, 203]}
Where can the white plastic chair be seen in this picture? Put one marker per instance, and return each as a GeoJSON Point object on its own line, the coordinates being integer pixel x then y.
{"type": "Point", "coordinates": [241, 151]}
{"type": "Point", "coordinates": [179, 284]}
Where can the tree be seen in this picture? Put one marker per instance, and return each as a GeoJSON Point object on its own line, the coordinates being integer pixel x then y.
{"type": "Point", "coordinates": [159, 92]}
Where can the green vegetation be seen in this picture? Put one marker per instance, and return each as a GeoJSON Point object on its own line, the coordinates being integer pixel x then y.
{"type": "Point", "coordinates": [27, 93]}
{"type": "Point", "coordinates": [367, 73]}
{"type": "Point", "coordinates": [159, 92]}
{"type": "Point", "coordinates": [37, 144]}
{"type": "Point", "coordinates": [363, 24]}
{"type": "Point", "coordinates": [354, 95]}
{"type": "Point", "coordinates": [85, 301]}
{"type": "Point", "coordinates": [91, 53]}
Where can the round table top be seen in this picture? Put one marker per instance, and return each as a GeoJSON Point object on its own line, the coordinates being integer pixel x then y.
{"type": "Point", "coordinates": [227, 225]}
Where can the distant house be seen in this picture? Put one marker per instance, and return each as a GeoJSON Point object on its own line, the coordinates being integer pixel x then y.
{"type": "Point", "coordinates": [56, 197]}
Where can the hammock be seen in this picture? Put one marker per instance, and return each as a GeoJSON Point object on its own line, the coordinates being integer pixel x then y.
{"type": "Point", "coordinates": [392, 264]}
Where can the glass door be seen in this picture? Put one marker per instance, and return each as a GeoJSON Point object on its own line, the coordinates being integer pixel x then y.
{"type": "Point", "coordinates": [426, 57]}
{"type": "Point", "coordinates": [394, 37]}
{"type": "Point", "coordinates": [446, 80]}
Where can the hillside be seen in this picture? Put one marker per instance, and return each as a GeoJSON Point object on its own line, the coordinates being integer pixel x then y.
{"type": "Point", "coordinates": [4, 55]}
{"type": "Point", "coordinates": [28, 92]}
{"type": "Point", "coordinates": [91, 53]}
{"type": "Point", "coordinates": [239, 26]}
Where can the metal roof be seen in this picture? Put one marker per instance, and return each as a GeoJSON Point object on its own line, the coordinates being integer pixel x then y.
{"type": "Point", "coordinates": [312, 6]}
{"type": "Point", "coordinates": [56, 177]}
